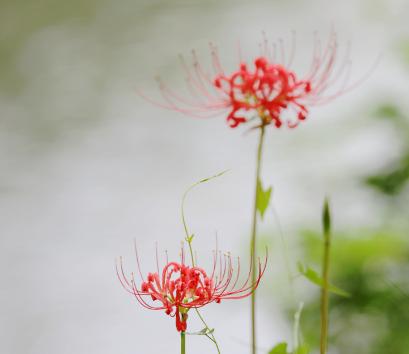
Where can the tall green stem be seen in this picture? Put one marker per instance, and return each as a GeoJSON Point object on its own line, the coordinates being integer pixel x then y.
{"type": "Point", "coordinates": [253, 240]}
{"type": "Point", "coordinates": [182, 343]}
{"type": "Point", "coordinates": [325, 277]}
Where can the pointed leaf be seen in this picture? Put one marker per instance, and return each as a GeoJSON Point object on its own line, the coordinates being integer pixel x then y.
{"type": "Point", "coordinates": [280, 348]}
{"type": "Point", "coordinates": [189, 238]}
{"type": "Point", "coordinates": [316, 279]}
{"type": "Point", "coordinates": [202, 332]}
{"type": "Point", "coordinates": [263, 198]}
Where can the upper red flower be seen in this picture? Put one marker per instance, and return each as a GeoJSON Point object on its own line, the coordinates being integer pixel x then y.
{"type": "Point", "coordinates": [179, 287]}
{"type": "Point", "coordinates": [267, 90]}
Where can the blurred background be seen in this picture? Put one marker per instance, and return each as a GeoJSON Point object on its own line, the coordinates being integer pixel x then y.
{"type": "Point", "coordinates": [88, 166]}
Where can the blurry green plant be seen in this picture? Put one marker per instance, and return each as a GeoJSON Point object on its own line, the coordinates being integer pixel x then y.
{"type": "Point", "coordinates": [392, 179]}
{"type": "Point", "coordinates": [404, 50]}
{"type": "Point", "coordinates": [300, 347]}
{"type": "Point", "coordinates": [323, 282]}
{"type": "Point", "coordinates": [372, 314]}
{"type": "Point", "coordinates": [373, 267]}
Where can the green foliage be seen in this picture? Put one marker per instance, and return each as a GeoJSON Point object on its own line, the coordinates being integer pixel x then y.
{"type": "Point", "coordinates": [280, 348]}
{"type": "Point", "coordinates": [388, 110]}
{"type": "Point", "coordinates": [393, 180]}
{"type": "Point", "coordinates": [316, 279]}
{"type": "Point", "coordinates": [372, 266]}
{"type": "Point", "coordinates": [203, 332]}
{"type": "Point", "coordinates": [263, 198]}
{"type": "Point", "coordinates": [302, 349]}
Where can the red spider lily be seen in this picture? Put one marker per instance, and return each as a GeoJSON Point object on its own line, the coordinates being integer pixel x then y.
{"type": "Point", "coordinates": [179, 287]}
{"type": "Point", "coordinates": [264, 90]}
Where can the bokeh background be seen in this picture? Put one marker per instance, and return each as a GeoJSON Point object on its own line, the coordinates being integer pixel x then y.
{"type": "Point", "coordinates": [88, 166]}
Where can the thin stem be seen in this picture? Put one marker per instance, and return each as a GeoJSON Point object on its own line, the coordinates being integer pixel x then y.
{"type": "Point", "coordinates": [191, 253]}
{"type": "Point", "coordinates": [296, 329]}
{"type": "Point", "coordinates": [253, 240]}
{"type": "Point", "coordinates": [210, 335]}
{"type": "Point", "coordinates": [182, 343]}
{"type": "Point", "coordinates": [325, 277]}
{"type": "Point", "coordinates": [189, 238]}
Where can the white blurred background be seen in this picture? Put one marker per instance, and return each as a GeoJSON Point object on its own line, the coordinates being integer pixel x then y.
{"type": "Point", "coordinates": [88, 166]}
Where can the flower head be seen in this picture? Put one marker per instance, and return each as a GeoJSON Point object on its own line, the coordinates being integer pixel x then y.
{"type": "Point", "coordinates": [178, 287]}
{"type": "Point", "coordinates": [266, 90]}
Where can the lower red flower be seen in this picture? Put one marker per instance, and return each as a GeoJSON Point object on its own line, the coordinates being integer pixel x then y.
{"type": "Point", "coordinates": [178, 287]}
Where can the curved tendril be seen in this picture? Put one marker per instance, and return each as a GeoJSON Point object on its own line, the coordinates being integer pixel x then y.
{"type": "Point", "coordinates": [189, 240]}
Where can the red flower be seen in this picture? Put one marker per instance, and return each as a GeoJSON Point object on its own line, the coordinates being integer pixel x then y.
{"type": "Point", "coordinates": [263, 90]}
{"type": "Point", "coordinates": [178, 287]}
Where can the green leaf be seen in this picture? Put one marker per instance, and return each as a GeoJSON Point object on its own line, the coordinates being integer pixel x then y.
{"type": "Point", "coordinates": [202, 332]}
{"type": "Point", "coordinates": [189, 238]}
{"type": "Point", "coordinates": [316, 279]}
{"type": "Point", "coordinates": [303, 349]}
{"type": "Point", "coordinates": [263, 198]}
{"type": "Point", "coordinates": [394, 179]}
{"type": "Point", "coordinates": [388, 110]}
{"type": "Point", "coordinates": [280, 348]}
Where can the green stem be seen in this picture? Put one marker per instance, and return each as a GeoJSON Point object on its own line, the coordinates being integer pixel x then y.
{"type": "Point", "coordinates": [189, 239]}
{"type": "Point", "coordinates": [182, 343]}
{"type": "Point", "coordinates": [296, 329]}
{"type": "Point", "coordinates": [325, 277]}
{"type": "Point", "coordinates": [210, 335]}
{"type": "Point", "coordinates": [253, 241]}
